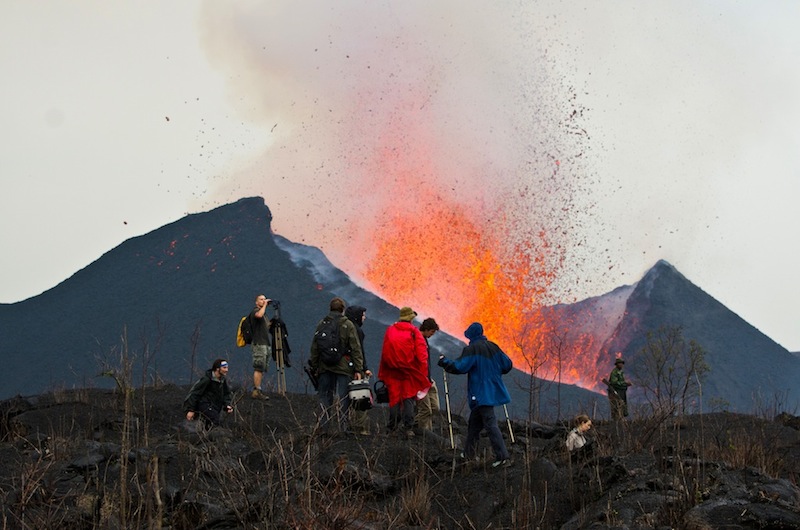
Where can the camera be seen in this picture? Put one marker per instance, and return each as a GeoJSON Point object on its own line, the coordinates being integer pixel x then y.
{"type": "Point", "coordinates": [275, 303]}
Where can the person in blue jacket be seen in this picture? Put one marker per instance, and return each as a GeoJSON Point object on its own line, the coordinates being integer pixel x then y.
{"type": "Point", "coordinates": [484, 363]}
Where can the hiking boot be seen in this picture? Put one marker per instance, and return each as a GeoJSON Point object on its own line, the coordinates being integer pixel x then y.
{"type": "Point", "coordinates": [502, 463]}
{"type": "Point", "coordinates": [258, 394]}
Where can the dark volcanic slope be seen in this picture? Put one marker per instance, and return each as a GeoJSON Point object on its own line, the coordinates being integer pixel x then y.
{"type": "Point", "coordinates": [192, 278]}
{"type": "Point", "coordinates": [748, 369]}
{"type": "Point", "coordinates": [178, 293]}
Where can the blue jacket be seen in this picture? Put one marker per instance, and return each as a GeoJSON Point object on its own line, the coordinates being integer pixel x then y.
{"type": "Point", "coordinates": [485, 363]}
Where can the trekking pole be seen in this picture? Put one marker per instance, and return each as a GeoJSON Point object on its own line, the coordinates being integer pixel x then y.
{"type": "Point", "coordinates": [508, 422]}
{"type": "Point", "coordinates": [447, 404]}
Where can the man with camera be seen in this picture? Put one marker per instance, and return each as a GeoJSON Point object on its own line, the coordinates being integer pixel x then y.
{"type": "Point", "coordinates": [261, 345]}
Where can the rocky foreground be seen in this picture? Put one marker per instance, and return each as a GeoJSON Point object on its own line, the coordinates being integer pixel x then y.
{"type": "Point", "coordinates": [103, 459]}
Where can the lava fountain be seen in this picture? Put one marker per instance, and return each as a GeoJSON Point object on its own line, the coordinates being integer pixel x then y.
{"type": "Point", "coordinates": [462, 263]}
{"type": "Point", "coordinates": [433, 151]}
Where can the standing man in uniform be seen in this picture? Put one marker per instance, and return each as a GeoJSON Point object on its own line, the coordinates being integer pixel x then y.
{"type": "Point", "coordinates": [617, 391]}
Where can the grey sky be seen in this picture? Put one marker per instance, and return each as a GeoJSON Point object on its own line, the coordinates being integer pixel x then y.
{"type": "Point", "coordinates": [116, 121]}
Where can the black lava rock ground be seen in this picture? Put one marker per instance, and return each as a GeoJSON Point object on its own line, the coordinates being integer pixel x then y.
{"type": "Point", "coordinates": [115, 459]}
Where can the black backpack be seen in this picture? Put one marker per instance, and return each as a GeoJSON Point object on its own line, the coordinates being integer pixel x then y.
{"type": "Point", "coordinates": [327, 339]}
{"type": "Point", "coordinates": [244, 333]}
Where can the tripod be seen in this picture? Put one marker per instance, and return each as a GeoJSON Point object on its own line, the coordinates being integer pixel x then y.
{"type": "Point", "coordinates": [279, 358]}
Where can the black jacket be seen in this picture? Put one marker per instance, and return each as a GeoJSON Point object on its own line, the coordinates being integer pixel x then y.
{"type": "Point", "coordinates": [207, 390]}
{"type": "Point", "coordinates": [356, 313]}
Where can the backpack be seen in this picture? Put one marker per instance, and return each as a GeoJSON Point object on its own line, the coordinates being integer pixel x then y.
{"type": "Point", "coordinates": [244, 333]}
{"type": "Point", "coordinates": [327, 339]}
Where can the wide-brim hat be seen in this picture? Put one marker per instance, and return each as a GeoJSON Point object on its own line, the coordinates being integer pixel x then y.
{"type": "Point", "coordinates": [407, 314]}
{"type": "Point", "coordinates": [620, 360]}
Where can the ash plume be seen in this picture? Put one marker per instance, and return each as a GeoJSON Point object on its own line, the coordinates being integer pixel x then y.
{"type": "Point", "coordinates": [393, 123]}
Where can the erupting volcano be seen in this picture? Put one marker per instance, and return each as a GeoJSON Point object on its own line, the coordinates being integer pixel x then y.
{"type": "Point", "coordinates": [436, 257]}
{"type": "Point", "coordinates": [439, 164]}
{"type": "Point", "coordinates": [491, 248]}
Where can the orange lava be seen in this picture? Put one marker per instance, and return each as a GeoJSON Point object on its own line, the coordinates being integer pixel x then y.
{"type": "Point", "coordinates": [444, 248]}
{"type": "Point", "coordinates": [434, 257]}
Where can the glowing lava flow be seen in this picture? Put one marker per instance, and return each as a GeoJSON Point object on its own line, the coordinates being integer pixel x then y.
{"type": "Point", "coordinates": [463, 260]}
{"type": "Point", "coordinates": [434, 257]}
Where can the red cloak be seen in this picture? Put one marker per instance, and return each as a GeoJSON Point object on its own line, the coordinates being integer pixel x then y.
{"type": "Point", "coordinates": [404, 363]}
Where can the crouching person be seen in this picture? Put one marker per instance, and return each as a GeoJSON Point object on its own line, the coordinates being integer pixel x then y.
{"type": "Point", "coordinates": [210, 395]}
{"type": "Point", "coordinates": [578, 445]}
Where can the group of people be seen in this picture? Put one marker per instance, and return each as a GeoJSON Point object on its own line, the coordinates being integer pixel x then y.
{"type": "Point", "coordinates": [211, 395]}
{"type": "Point", "coordinates": [405, 369]}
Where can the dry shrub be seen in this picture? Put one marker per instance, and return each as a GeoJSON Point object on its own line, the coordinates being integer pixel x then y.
{"type": "Point", "coordinates": [332, 504]}
{"type": "Point", "coordinates": [415, 502]}
{"type": "Point", "coordinates": [748, 450]}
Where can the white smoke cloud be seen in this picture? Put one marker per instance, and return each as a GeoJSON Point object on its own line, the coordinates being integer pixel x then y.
{"type": "Point", "coordinates": [370, 105]}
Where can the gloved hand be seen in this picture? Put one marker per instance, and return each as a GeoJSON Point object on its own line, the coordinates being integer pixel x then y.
{"type": "Point", "coordinates": [441, 361]}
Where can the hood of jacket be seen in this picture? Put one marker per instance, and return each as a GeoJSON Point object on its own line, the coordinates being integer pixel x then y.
{"type": "Point", "coordinates": [356, 314]}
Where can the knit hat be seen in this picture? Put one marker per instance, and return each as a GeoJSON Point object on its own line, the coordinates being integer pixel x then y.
{"type": "Point", "coordinates": [474, 331]}
{"type": "Point", "coordinates": [407, 314]}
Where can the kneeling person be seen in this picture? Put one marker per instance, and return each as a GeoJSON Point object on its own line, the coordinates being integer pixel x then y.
{"type": "Point", "coordinates": [209, 395]}
{"type": "Point", "coordinates": [577, 444]}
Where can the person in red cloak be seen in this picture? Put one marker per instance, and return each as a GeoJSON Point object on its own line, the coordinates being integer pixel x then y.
{"type": "Point", "coordinates": [404, 370]}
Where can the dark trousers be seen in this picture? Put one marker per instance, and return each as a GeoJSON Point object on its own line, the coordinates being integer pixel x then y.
{"type": "Point", "coordinates": [330, 384]}
{"type": "Point", "coordinates": [209, 412]}
{"type": "Point", "coordinates": [402, 413]}
{"type": "Point", "coordinates": [483, 418]}
{"type": "Point", "coordinates": [619, 404]}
